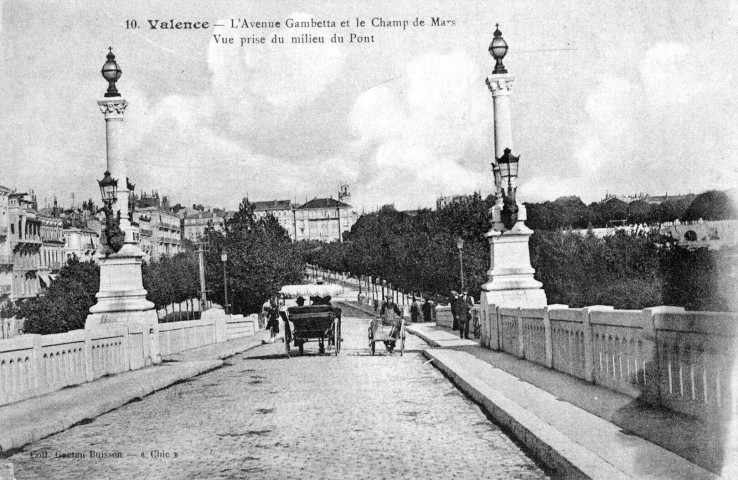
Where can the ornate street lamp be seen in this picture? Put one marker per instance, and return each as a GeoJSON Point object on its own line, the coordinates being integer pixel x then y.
{"type": "Point", "coordinates": [460, 246]}
{"type": "Point", "coordinates": [113, 236]}
{"type": "Point", "coordinates": [224, 259]}
{"type": "Point", "coordinates": [508, 172]}
{"type": "Point", "coordinates": [498, 50]}
{"type": "Point", "coordinates": [108, 189]}
{"type": "Point", "coordinates": [111, 72]}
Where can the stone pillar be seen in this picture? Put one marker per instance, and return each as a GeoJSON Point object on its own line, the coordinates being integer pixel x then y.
{"type": "Point", "coordinates": [122, 298]}
{"type": "Point", "coordinates": [510, 277]}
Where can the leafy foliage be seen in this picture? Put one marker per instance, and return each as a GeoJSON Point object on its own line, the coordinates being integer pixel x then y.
{"type": "Point", "coordinates": [712, 205]}
{"type": "Point", "coordinates": [626, 270]}
{"type": "Point", "coordinates": [67, 301]}
{"type": "Point", "coordinates": [261, 259]}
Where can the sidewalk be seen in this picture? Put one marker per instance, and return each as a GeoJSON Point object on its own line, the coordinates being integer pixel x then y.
{"type": "Point", "coordinates": [30, 420]}
{"type": "Point", "coordinates": [579, 429]}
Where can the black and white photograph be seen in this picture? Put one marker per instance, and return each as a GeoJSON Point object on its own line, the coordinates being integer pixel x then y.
{"type": "Point", "coordinates": [330, 239]}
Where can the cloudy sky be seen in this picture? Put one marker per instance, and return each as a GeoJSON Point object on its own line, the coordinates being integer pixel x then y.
{"type": "Point", "coordinates": [616, 97]}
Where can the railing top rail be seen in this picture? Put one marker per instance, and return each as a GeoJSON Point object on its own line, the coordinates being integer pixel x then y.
{"type": "Point", "coordinates": [566, 314]}
{"type": "Point", "coordinates": [706, 323]}
{"type": "Point", "coordinates": [532, 313]}
{"type": "Point", "coordinates": [508, 312]}
{"type": "Point", "coordinates": [617, 318]}
{"type": "Point", "coordinates": [73, 336]}
{"type": "Point", "coordinates": [186, 324]}
{"type": "Point", "coordinates": [22, 342]}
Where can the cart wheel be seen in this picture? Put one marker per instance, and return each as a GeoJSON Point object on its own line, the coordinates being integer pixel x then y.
{"type": "Point", "coordinates": [337, 335]}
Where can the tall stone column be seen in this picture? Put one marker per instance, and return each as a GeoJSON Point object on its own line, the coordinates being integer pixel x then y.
{"type": "Point", "coordinates": [510, 277]}
{"type": "Point", "coordinates": [122, 297]}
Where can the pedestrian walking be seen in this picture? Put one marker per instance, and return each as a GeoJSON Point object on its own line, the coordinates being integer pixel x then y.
{"type": "Point", "coordinates": [273, 318]}
{"type": "Point", "coordinates": [453, 301]}
{"type": "Point", "coordinates": [427, 311]}
{"type": "Point", "coordinates": [414, 311]}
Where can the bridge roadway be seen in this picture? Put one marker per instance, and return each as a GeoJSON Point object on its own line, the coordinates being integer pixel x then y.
{"type": "Point", "coordinates": [265, 416]}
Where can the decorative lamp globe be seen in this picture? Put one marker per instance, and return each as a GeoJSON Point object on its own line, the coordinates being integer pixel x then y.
{"type": "Point", "coordinates": [460, 243]}
{"type": "Point", "coordinates": [498, 50]}
{"type": "Point", "coordinates": [111, 72]}
{"type": "Point", "coordinates": [108, 188]}
{"type": "Point", "coordinates": [223, 256]}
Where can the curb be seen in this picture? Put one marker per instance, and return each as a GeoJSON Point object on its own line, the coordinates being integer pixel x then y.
{"type": "Point", "coordinates": [565, 457]}
{"type": "Point", "coordinates": [423, 337]}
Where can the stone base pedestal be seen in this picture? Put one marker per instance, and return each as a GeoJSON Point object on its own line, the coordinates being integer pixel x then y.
{"type": "Point", "coordinates": [122, 300]}
{"type": "Point", "coordinates": [511, 282]}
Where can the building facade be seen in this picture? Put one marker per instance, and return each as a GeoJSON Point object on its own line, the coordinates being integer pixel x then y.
{"type": "Point", "coordinates": [51, 253]}
{"type": "Point", "coordinates": [25, 243]}
{"type": "Point", "coordinates": [323, 219]}
{"type": "Point", "coordinates": [161, 232]}
{"type": "Point", "coordinates": [282, 210]}
{"type": "Point", "coordinates": [195, 224]}
{"type": "Point", "coordinates": [82, 244]}
{"type": "Point", "coordinates": [6, 253]}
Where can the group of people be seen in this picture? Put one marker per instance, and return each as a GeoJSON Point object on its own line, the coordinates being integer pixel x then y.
{"type": "Point", "coordinates": [416, 310]}
{"type": "Point", "coordinates": [461, 309]}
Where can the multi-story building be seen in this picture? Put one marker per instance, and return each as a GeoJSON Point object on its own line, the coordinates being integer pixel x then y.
{"type": "Point", "coordinates": [6, 253]}
{"type": "Point", "coordinates": [25, 242]}
{"type": "Point", "coordinates": [195, 223]}
{"type": "Point", "coordinates": [161, 233]}
{"type": "Point", "coordinates": [51, 253]}
{"type": "Point", "coordinates": [281, 210]}
{"type": "Point", "coordinates": [82, 244]}
{"type": "Point", "coordinates": [323, 219]}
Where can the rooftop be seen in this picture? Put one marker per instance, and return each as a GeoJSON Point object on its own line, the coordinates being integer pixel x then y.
{"type": "Point", "coordinates": [323, 203]}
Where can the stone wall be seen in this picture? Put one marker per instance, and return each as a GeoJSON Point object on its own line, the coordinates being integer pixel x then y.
{"type": "Point", "coordinates": [662, 355]}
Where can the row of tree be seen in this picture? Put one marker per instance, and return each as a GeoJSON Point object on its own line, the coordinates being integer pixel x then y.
{"type": "Point", "coordinates": [571, 212]}
{"type": "Point", "coordinates": [418, 253]}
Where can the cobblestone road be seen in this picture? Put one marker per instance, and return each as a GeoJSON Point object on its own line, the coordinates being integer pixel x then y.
{"type": "Point", "coordinates": [265, 416]}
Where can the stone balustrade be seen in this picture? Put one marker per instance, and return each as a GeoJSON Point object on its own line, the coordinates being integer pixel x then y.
{"type": "Point", "coordinates": [238, 326]}
{"type": "Point", "coordinates": [662, 355]}
{"type": "Point", "coordinates": [175, 337]}
{"type": "Point", "coordinates": [32, 365]}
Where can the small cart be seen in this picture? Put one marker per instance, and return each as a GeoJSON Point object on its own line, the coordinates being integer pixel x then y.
{"type": "Point", "coordinates": [319, 322]}
{"type": "Point", "coordinates": [389, 330]}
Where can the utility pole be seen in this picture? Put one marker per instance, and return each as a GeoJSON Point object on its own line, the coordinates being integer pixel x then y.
{"type": "Point", "coordinates": [201, 263]}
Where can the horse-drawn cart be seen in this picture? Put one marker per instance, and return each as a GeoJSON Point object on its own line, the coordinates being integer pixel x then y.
{"type": "Point", "coordinates": [319, 322]}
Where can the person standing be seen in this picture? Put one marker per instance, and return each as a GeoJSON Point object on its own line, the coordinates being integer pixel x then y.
{"type": "Point", "coordinates": [453, 301]}
{"type": "Point", "coordinates": [467, 304]}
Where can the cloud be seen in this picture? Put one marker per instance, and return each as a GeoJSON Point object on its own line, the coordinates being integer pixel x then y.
{"type": "Point", "coordinates": [424, 133]}
{"type": "Point", "coordinates": [664, 72]}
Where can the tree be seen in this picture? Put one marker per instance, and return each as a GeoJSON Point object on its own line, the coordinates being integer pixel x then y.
{"type": "Point", "coordinates": [261, 259]}
{"type": "Point", "coordinates": [712, 205]}
{"type": "Point", "coordinates": [67, 301]}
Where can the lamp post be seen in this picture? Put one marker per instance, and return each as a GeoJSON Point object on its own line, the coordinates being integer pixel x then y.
{"type": "Point", "coordinates": [224, 259]}
{"type": "Point", "coordinates": [121, 298]}
{"type": "Point", "coordinates": [510, 276]}
{"type": "Point", "coordinates": [460, 246]}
